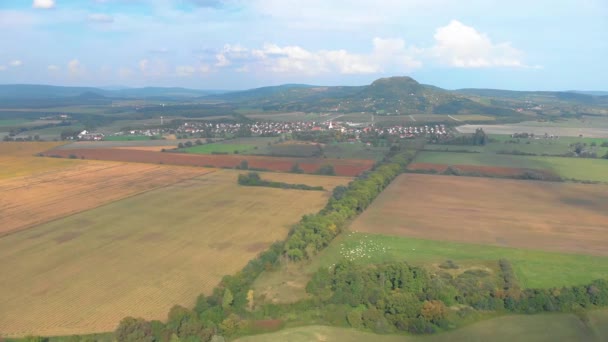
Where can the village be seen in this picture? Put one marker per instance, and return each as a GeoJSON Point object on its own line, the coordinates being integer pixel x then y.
{"type": "Point", "coordinates": [270, 129]}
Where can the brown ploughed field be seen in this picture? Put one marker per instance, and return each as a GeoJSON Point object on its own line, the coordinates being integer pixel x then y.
{"type": "Point", "coordinates": [550, 216]}
{"type": "Point", "coordinates": [342, 167]}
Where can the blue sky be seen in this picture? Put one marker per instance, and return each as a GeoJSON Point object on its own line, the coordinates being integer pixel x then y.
{"type": "Point", "coordinates": [238, 44]}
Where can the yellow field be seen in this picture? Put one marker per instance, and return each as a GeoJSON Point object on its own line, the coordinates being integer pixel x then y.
{"type": "Point", "coordinates": [18, 159]}
{"type": "Point", "coordinates": [141, 255]}
{"type": "Point", "coordinates": [39, 198]}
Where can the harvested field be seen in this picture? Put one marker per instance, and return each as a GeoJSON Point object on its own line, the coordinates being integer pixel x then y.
{"type": "Point", "coordinates": [490, 171]}
{"type": "Point", "coordinates": [141, 255]}
{"type": "Point", "coordinates": [43, 197]}
{"type": "Point", "coordinates": [548, 216]}
{"type": "Point", "coordinates": [342, 167]}
{"type": "Point", "coordinates": [18, 159]}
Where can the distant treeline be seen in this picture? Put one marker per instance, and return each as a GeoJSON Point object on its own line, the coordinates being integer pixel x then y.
{"type": "Point", "coordinates": [254, 179]}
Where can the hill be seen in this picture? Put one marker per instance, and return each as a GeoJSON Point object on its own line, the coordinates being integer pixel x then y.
{"type": "Point", "coordinates": [388, 96]}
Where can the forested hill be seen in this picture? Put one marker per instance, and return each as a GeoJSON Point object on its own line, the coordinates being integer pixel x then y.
{"type": "Point", "coordinates": [394, 95]}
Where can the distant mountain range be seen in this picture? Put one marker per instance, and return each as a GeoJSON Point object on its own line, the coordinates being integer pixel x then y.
{"type": "Point", "coordinates": [46, 91]}
{"type": "Point", "coordinates": [386, 96]}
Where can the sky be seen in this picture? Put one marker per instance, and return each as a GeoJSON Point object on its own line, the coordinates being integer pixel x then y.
{"type": "Point", "coordinates": [241, 44]}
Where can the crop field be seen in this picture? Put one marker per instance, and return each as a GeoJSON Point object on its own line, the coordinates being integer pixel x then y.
{"type": "Point", "coordinates": [541, 146]}
{"type": "Point", "coordinates": [342, 167]}
{"type": "Point", "coordinates": [540, 129]}
{"type": "Point", "coordinates": [529, 328]}
{"type": "Point", "coordinates": [127, 137]}
{"type": "Point", "coordinates": [218, 148]}
{"type": "Point", "coordinates": [141, 255]}
{"type": "Point", "coordinates": [354, 151]}
{"type": "Point", "coordinates": [77, 145]}
{"type": "Point", "coordinates": [569, 168]}
{"type": "Point", "coordinates": [39, 198]}
{"type": "Point", "coordinates": [478, 170]}
{"type": "Point", "coordinates": [550, 216]}
{"type": "Point", "coordinates": [18, 159]}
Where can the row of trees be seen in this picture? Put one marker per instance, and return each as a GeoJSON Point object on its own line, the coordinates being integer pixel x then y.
{"type": "Point", "coordinates": [254, 179]}
{"type": "Point", "coordinates": [224, 312]}
{"type": "Point", "coordinates": [314, 232]}
{"type": "Point", "coordinates": [397, 296]}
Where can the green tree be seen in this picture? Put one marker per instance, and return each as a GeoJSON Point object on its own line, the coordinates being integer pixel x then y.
{"type": "Point", "coordinates": [295, 168]}
{"type": "Point", "coordinates": [133, 330]}
{"type": "Point", "coordinates": [227, 299]}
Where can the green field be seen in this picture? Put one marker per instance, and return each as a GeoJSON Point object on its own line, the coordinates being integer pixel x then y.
{"type": "Point", "coordinates": [218, 148]}
{"type": "Point", "coordinates": [535, 269]}
{"type": "Point", "coordinates": [12, 122]}
{"type": "Point", "coordinates": [128, 137]}
{"type": "Point", "coordinates": [489, 159]}
{"type": "Point", "coordinates": [354, 151]}
{"type": "Point", "coordinates": [536, 146]}
{"type": "Point", "coordinates": [536, 328]}
{"type": "Point", "coordinates": [586, 169]}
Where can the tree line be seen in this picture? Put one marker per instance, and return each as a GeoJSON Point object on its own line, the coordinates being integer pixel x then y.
{"type": "Point", "coordinates": [227, 310]}
{"type": "Point", "coordinates": [399, 297]}
{"type": "Point", "coordinates": [254, 179]}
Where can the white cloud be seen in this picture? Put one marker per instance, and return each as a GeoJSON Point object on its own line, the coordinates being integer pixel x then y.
{"type": "Point", "coordinates": [386, 55]}
{"type": "Point", "coordinates": [222, 60]}
{"type": "Point", "coordinates": [462, 46]}
{"type": "Point", "coordinates": [2, 67]}
{"type": "Point", "coordinates": [100, 18]}
{"type": "Point", "coordinates": [16, 63]}
{"type": "Point", "coordinates": [125, 73]}
{"type": "Point", "coordinates": [43, 4]}
{"type": "Point", "coordinates": [75, 69]}
{"type": "Point", "coordinates": [143, 65]}
{"type": "Point", "coordinates": [185, 70]}
{"type": "Point", "coordinates": [53, 68]}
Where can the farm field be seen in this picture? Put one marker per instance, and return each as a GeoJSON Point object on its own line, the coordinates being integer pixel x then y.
{"type": "Point", "coordinates": [550, 216]}
{"type": "Point", "coordinates": [76, 145]}
{"type": "Point", "coordinates": [540, 128]}
{"type": "Point", "coordinates": [569, 168]}
{"type": "Point", "coordinates": [534, 268]}
{"type": "Point", "coordinates": [18, 159]}
{"type": "Point", "coordinates": [127, 137]}
{"type": "Point", "coordinates": [342, 167]}
{"type": "Point", "coordinates": [483, 171]}
{"type": "Point", "coordinates": [537, 146]}
{"type": "Point", "coordinates": [472, 117]}
{"type": "Point", "coordinates": [43, 197]}
{"type": "Point", "coordinates": [218, 148]}
{"type": "Point", "coordinates": [529, 328]}
{"type": "Point", "coordinates": [354, 151]}
{"type": "Point", "coordinates": [141, 255]}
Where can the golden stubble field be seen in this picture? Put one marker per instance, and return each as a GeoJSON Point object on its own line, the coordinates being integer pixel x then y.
{"type": "Point", "coordinates": [19, 159]}
{"type": "Point", "coordinates": [563, 217]}
{"type": "Point", "coordinates": [141, 255]}
{"type": "Point", "coordinates": [42, 197]}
